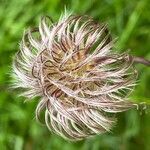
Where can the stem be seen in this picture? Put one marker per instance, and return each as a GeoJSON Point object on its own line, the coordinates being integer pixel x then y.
{"type": "Point", "coordinates": [140, 60]}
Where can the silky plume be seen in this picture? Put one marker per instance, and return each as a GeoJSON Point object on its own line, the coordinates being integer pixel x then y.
{"type": "Point", "coordinates": [80, 81]}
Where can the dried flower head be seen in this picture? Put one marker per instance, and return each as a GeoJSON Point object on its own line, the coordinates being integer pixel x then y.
{"type": "Point", "coordinates": [81, 82]}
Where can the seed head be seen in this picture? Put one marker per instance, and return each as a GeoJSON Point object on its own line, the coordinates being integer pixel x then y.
{"type": "Point", "coordinates": [81, 82]}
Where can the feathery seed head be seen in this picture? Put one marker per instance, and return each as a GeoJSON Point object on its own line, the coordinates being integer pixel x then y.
{"type": "Point", "coordinates": [80, 80]}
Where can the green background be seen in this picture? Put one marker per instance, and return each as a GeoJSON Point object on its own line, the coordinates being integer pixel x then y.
{"type": "Point", "coordinates": [129, 20]}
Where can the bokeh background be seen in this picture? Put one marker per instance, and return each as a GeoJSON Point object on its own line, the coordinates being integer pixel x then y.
{"type": "Point", "coordinates": [129, 20]}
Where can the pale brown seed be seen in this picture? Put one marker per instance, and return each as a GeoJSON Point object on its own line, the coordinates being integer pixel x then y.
{"type": "Point", "coordinates": [80, 80]}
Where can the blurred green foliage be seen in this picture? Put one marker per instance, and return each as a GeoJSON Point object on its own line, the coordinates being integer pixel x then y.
{"type": "Point", "coordinates": [127, 20]}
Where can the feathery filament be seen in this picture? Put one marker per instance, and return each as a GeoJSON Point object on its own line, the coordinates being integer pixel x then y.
{"type": "Point", "coordinates": [80, 81]}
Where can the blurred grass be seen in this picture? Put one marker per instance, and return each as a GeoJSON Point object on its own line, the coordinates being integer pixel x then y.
{"type": "Point", "coordinates": [127, 20]}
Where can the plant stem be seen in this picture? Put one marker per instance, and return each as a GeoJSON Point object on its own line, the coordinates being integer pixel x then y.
{"type": "Point", "coordinates": [140, 60]}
